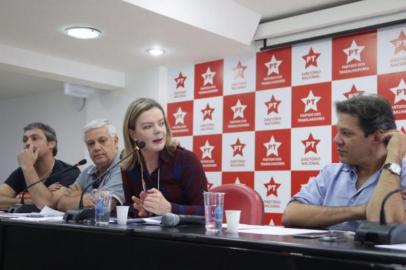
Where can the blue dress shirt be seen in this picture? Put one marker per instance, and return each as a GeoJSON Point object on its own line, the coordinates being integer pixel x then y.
{"type": "Point", "coordinates": [335, 186]}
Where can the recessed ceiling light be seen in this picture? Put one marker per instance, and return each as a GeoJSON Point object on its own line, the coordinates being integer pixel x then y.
{"type": "Point", "coordinates": [155, 51]}
{"type": "Point", "coordinates": [82, 32]}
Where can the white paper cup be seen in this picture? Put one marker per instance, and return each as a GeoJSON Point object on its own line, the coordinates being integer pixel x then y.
{"type": "Point", "coordinates": [122, 214]}
{"type": "Point", "coordinates": [233, 220]}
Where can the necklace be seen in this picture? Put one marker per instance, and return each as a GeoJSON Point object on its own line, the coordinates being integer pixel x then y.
{"type": "Point", "coordinates": [159, 170]}
{"type": "Point", "coordinates": [144, 186]}
{"type": "Point", "coordinates": [48, 173]}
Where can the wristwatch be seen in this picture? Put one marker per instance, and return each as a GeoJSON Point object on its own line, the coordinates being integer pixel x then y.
{"type": "Point", "coordinates": [393, 168]}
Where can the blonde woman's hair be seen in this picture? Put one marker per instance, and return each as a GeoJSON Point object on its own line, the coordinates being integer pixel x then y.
{"type": "Point", "coordinates": [134, 110]}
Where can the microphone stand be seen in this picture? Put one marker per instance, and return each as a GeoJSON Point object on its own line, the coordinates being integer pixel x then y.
{"type": "Point", "coordinates": [381, 233]}
{"type": "Point", "coordinates": [79, 214]}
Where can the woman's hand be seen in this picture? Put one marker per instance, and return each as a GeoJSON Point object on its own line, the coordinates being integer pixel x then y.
{"type": "Point", "coordinates": [138, 203]}
{"type": "Point", "coordinates": [156, 203]}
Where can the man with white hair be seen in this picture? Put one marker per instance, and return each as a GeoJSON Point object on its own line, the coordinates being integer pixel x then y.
{"type": "Point", "coordinates": [101, 140]}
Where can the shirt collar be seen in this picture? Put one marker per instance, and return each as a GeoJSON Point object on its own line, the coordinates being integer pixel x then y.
{"type": "Point", "coordinates": [348, 168]}
{"type": "Point", "coordinates": [93, 170]}
{"type": "Point", "coordinates": [165, 156]}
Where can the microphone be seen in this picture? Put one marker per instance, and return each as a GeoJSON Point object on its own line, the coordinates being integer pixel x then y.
{"type": "Point", "coordinates": [138, 146]}
{"type": "Point", "coordinates": [78, 214]}
{"type": "Point", "coordinates": [172, 220]}
{"type": "Point", "coordinates": [382, 233]}
{"type": "Point", "coordinates": [28, 208]}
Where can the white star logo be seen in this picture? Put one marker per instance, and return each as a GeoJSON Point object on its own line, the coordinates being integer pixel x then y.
{"type": "Point", "coordinates": [399, 91]}
{"type": "Point", "coordinates": [237, 181]}
{"type": "Point", "coordinates": [354, 52]}
{"type": "Point", "coordinates": [206, 150]}
{"type": "Point", "coordinates": [273, 65]}
{"type": "Point", "coordinates": [238, 110]}
{"type": "Point", "coordinates": [179, 117]}
{"type": "Point", "coordinates": [272, 147]}
{"type": "Point", "coordinates": [310, 101]}
{"type": "Point", "coordinates": [208, 77]}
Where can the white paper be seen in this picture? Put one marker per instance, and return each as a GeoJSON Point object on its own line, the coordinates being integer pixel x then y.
{"type": "Point", "coordinates": [273, 230]}
{"type": "Point", "coordinates": [50, 212]}
{"type": "Point", "coordinates": [395, 246]}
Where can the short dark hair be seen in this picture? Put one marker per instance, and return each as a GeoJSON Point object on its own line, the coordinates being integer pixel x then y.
{"type": "Point", "coordinates": [373, 112]}
{"type": "Point", "coordinates": [48, 131]}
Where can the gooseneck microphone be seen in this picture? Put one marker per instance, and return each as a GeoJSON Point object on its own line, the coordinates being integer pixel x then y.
{"type": "Point", "coordinates": [138, 147]}
{"type": "Point", "coordinates": [172, 220]}
{"type": "Point", "coordinates": [78, 214]}
{"type": "Point", "coordinates": [382, 233]}
{"type": "Point", "coordinates": [28, 208]}
{"type": "Point", "coordinates": [82, 162]}
{"type": "Point", "coordinates": [382, 216]}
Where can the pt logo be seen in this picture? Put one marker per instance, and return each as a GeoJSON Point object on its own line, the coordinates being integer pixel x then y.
{"type": "Point", "coordinates": [354, 92]}
{"type": "Point", "coordinates": [310, 144]}
{"type": "Point", "coordinates": [272, 187]}
{"type": "Point", "coordinates": [208, 77]}
{"type": "Point", "coordinates": [310, 102]}
{"type": "Point", "coordinates": [354, 52]}
{"type": "Point", "coordinates": [208, 112]}
{"type": "Point", "coordinates": [399, 91]}
{"type": "Point", "coordinates": [238, 147]}
{"type": "Point", "coordinates": [311, 58]}
{"type": "Point", "coordinates": [207, 150]}
{"type": "Point", "coordinates": [180, 80]}
{"type": "Point", "coordinates": [272, 105]}
{"type": "Point", "coordinates": [272, 147]}
{"type": "Point", "coordinates": [399, 43]}
{"type": "Point", "coordinates": [239, 71]}
{"type": "Point", "coordinates": [238, 110]}
{"type": "Point", "coordinates": [273, 66]}
{"type": "Point", "coordinates": [179, 117]}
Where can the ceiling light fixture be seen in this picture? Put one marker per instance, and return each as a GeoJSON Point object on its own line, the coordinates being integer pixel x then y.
{"type": "Point", "coordinates": [82, 32]}
{"type": "Point", "coordinates": [155, 51]}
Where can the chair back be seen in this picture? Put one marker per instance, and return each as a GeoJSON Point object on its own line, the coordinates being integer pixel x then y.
{"type": "Point", "coordinates": [241, 197]}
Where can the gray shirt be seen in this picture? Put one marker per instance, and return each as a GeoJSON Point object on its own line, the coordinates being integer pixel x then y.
{"type": "Point", "coordinates": [111, 181]}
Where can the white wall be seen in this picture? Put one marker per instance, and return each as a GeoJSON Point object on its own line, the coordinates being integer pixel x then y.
{"type": "Point", "coordinates": [113, 105]}
{"type": "Point", "coordinates": [53, 108]}
{"type": "Point", "coordinates": [61, 112]}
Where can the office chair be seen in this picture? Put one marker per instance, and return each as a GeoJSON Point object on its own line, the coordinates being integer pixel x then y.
{"type": "Point", "coordinates": [244, 198]}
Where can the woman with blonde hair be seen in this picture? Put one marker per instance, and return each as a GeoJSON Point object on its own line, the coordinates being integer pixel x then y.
{"type": "Point", "coordinates": [163, 178]}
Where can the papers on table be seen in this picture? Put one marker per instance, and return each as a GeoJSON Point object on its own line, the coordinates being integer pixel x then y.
{"type": "Point", "coordinates": [46, 214]}
{"type": "Point", "coordinates": [273, 230]}
{"type": "Point", "coordinates": [145, 221]}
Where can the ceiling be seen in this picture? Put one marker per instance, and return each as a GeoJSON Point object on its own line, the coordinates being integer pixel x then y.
{"type": "Point", "coordinates": [34, 29]}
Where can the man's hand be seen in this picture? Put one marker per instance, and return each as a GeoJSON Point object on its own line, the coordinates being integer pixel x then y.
{"type": "Point", "coordinates": [54, 187]}
{"type": "Point", "coordinates": [27, 157]}
{"type": "Point", "coordinates": [396, 145]}
{"type": "Point", "coordinates": [88, 201]}
{"type": "Point", "coordinates": [73, 190]}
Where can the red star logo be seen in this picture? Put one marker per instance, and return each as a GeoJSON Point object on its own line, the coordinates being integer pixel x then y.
{"type": "Point", "coordinates": [354, 92]}
{"type": "Point", "coordinates": [311, 58]}
{"type": "Point", "coordinates": [400, 42]}
{"type": "Point", "coordinates": [273, 105]}
{"type": "Point", "coordinates": [310, 144]}
{"type": "Point", "coordinates": [180, 80]}
{"type": "Point", "coordinates": [208, 112]}
{"type": "Point", "coordinates": [239, 70]}
{"type": "Point", "coordinates": [272, 188]}
{"type": "Point", "coordinates": [238, 147]}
